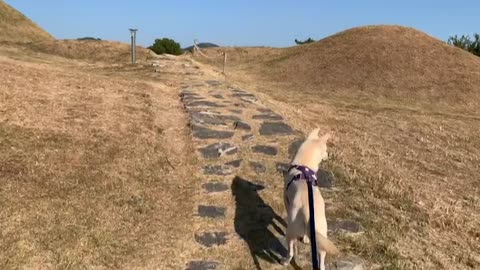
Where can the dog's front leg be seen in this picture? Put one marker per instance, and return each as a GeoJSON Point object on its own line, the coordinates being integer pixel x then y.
{"type": "Point", "coordinates": [291, 246]}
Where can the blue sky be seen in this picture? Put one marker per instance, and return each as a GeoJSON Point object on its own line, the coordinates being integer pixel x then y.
{"type": "Point", "coordinates": [244, 23]}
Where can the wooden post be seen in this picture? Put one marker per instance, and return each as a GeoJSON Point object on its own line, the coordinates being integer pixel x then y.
{"type": "Point", "coordinates": [224, 61]}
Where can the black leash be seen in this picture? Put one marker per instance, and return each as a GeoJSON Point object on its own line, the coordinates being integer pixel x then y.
{"type": "Point", "coordinates": [313, 236]}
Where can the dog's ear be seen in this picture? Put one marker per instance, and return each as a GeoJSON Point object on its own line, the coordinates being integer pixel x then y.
{"type": "Point", "coordinates": [313, 134]}
{"type": "Point", "coordinates": [325, 137]}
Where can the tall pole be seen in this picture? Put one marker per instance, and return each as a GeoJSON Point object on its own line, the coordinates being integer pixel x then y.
{"type": "Point", "coordinates": [133, 33]}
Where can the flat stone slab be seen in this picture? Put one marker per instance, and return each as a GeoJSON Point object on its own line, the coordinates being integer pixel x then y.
{"type": "Point", "coordinates": [206, 133]}
{"type": "Point", "coordinates": [243, 94]}
{"type": "Point", "coordinates": [217, 170]}
{"type": "Point", "coordinates": [203, 103]}
{"type": "Point", "coordinates": [235, 111]}
{"type": "Point", "coordinates": [325, 179]}
{"type": "Point", "coordinates": [257, 167]}
{"type": "Point", "coordinates": [215, 150]}
{"type": "Point", "coordinates": [207, 118]}
{"type": "Point", "coordinates": [239, 105]}
{"type": "Point", "coordinates": [213, 82]}
{"type": "Point", "coordinates": [275, 128]}
{"type": "Point", "coordinates": [211, 211]}
{"type": "Point", "coordinates": [214, 187]}
{"type": "Point", "coordinates": [241, 125]}
{"type": "Point", "coordinates": [347, 263]}
{"type": "Point", "coordinates": [293, 148]}
{"type": "Point", "coordinates": [202, 265]}
{"type": "Point", "coordinates": [346, 226]}
{"type": "Point", "coordinates": [247, 137]}
{"type": "Point", "coordinates": [272, 117]}
{"type": "Point", "coordinates": [234, 163]}
{"type": "Point", "coordinates": [210, 239]}
{"type": "Point", "coordinates": [265, 149]}
{"type": "Point", "coordinates": [282, 167]}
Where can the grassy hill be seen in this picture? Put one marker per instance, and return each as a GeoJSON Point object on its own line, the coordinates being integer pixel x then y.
{"type": "Point", "coordinates": [17, 28]}
{"type": "Point", "coordinates": [387, 63]}
{"type": "Point", "coordinates": [20, 31]}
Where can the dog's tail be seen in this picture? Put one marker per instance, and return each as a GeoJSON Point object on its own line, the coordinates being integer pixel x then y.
{"type": "Point", "coordinates": [326, 245]}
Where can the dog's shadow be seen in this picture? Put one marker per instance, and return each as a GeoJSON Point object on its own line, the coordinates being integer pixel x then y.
{"type": "Point", "coordinates": [252, 220]}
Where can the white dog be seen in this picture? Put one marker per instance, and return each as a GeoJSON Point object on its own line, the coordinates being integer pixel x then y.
{"type": "Point", "coordinates": [312, 151]}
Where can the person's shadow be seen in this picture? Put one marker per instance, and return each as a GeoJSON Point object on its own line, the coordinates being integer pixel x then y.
{"type": "Point", "coordinates": [252, 219]}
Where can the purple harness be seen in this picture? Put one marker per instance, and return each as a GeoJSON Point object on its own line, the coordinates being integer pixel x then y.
{"type": "Point", "coordinates": [307, 174]}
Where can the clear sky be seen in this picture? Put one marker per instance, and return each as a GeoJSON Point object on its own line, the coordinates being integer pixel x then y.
{"type": "Point", "coordinates": [244, 23]}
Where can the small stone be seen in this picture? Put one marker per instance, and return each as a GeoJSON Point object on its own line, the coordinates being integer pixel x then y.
{"type": "Point", "coordinates": [239, 105]}
{"type": "Point", "coordinates": [215, 187]}
{"type": "Point", "coordinates": [241, 125]}
{"type": "Point", "coordinates": [202, 265]}
{"type": "Point", "coordinates": [217, 96]}
{"type": "Point", "coordinates": [243, 94]}
{"type": "Point", "coordinates": [257, 167]}
{"type": "Point", "coordinates": [213, 82]}
{"type": "Point", "coordinates": [206, 133]}
{"type": "Point", "coordinates": [210, 239]}
{"type": "Point", "coordinates": [234, 163]}
{"type": "Point", "coordinates": [265, 110]}
{"type": "Point", "coordinates": [346, 226]}
{"type": "Point", "coordinates": [273, 117]}
{"type": "Point", "coordinates": [215, 150]}
{"type": "Point", "coordinates": [236, 111]}
{"type": "Point", "coordinates": [249, 99]}
{"type": "Point", "coordinates": [211, 211]}
{"type": "Point", "coordinates": [217, 170]}
{"type": "Point", "coordinates": [247, 137]}
{"type": "Point", "coordinates": [275, 128]}
{"type": "Point", "coordinates": [265, 149]}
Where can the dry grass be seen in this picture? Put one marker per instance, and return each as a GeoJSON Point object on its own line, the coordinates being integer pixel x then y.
{"type": "Point", "coordinates": [407, 169]}
{"type": "Point", "coordinates": [85, 180]}
{"type": "Point", "coordinates": [18, 28]}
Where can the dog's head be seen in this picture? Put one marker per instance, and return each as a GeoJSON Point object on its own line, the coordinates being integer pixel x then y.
{"type": "Point", "coordinates": [313, 150]}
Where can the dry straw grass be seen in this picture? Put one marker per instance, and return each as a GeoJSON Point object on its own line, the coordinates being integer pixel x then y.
{"type": "Point", "coordinates": [85, 179]}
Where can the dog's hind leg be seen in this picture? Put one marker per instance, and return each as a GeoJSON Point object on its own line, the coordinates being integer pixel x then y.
{"type": "Point", "coordinates": [291, 246]}
{"type": "Point", "coordinates": [322, 259]}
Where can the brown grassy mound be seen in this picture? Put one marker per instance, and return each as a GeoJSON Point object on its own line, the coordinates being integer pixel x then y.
{"type": "Point", "coordinates": [92, 50]}
{"type": "Point", "coordinates": [386, 62]}
{"type": "Point", "coordinates": [16, 27]}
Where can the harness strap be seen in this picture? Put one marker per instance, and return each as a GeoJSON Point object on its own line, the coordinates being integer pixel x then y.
{"type": "Point", "coordinates": [306, 174]}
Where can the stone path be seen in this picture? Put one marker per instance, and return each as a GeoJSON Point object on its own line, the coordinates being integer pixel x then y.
{"type": "Point", "coordinates": [243, 148]}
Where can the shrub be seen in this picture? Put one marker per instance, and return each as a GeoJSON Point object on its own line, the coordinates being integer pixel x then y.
{"type": "Point", "coordinates": [88, 38]}
{"type": "Point", "coordinates": [464, 42]}
{"type": "Point", "coordinates": [166, 45]}
{"type": "Point", "coordinates": [299, 42]}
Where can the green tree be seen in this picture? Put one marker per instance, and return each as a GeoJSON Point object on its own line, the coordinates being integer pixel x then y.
{"type": "Point", "coordinates": [299, 42]}
{"type": "Point", "coordinates": [166, 45]}
{"type": "Point", "coordinates": [466, 43]}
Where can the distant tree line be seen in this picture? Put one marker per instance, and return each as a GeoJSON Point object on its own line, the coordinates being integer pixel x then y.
{"type": "Point", "coordinates": [466, 43]}
{"type": "Point", "coordinates": [299, 42]}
